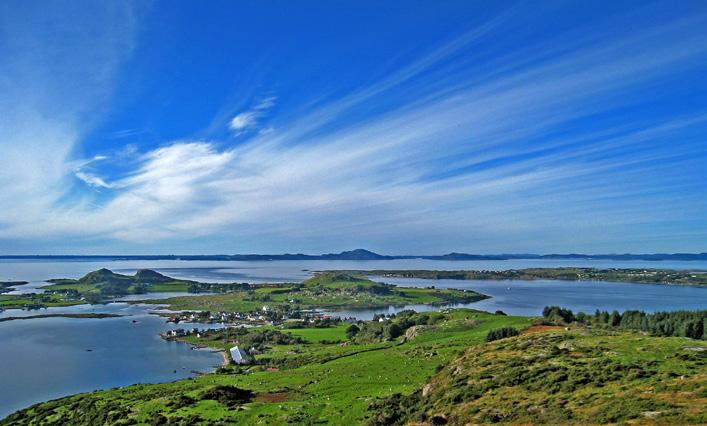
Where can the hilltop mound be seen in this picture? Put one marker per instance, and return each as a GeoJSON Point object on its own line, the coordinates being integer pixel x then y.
{"type": "Point", "coordinates": [345, 284]}
{"type": "Point", "coordinates": [578, 377]}
{"type": "Point", "coordinates": [326, 278]}
{"type": "Point", "coordinates": [104, 275]}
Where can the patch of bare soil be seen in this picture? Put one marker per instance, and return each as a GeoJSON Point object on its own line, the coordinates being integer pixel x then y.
{"type": "Point", "coordinates": [272, 397]}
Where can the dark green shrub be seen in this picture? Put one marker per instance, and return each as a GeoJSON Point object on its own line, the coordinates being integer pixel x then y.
{"type": "Point", "coordinates": [501, 333]}
{"type": "Point", "coordinates": [229, 395]}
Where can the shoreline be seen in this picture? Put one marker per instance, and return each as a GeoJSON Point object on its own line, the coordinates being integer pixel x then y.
{"type": "Point", "coordinates": [226, 360]}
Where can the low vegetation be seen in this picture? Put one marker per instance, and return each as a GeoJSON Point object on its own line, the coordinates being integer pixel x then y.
{"type": "Point", "coordinates": [561, 377]}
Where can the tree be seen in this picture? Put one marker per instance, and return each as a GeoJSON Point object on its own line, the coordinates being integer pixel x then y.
{"type": "Point", "coordinates": [352, 330]}
{"type": "Point", "coordinates": [615, 319]}
{"type": "Point", "coordinates": [394, 331]}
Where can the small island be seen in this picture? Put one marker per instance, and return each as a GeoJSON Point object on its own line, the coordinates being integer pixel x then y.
{"type": "Point", "coordinates": [105, 284]}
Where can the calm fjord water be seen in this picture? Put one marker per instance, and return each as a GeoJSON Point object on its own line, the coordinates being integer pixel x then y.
{"type": "Point", "coordinates": [47, 358]}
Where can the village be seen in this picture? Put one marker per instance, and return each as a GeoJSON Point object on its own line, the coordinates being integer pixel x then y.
{"type": "Point", "coordinates": [265, 316]}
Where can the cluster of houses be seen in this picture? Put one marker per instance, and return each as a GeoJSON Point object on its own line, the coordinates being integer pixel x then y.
{"type": "Point", "coordinates": [180, 332]}
{"type": "Point", "coordinates": [262, 316]}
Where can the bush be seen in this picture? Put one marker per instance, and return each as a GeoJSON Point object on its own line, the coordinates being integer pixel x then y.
{"type": "Point", "coordinates": [501, 333]}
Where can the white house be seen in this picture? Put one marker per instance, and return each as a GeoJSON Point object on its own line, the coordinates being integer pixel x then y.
{"type": "Point", "coordinates": [239, 355]}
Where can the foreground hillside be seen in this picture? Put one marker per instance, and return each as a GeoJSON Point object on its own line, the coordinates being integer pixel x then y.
{"type": "Point", "coordinates": [431, 368]}
{"type": "Point", "coordinates": [579, 377]}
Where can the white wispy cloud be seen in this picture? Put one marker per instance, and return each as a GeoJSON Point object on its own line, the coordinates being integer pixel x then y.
{"type": "Point", "coordinates": [249, 119]}
{"type": "Point", "coordinates": [92, 180]}
{"type": "Point", "coordinates": [471, 160]}
{"type": "Point", "coordinates": [244, 120]}
{"type": "Point", "coordinates": [55, 79]}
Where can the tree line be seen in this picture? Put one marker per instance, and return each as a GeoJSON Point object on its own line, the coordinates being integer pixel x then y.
{"type": "Point", "coordinates": [678, 323]}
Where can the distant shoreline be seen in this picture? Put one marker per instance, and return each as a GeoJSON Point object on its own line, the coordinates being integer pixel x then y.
{"type": "Point", "coordinates": [97, 316]}
{"type": "Point", "coordinates": [361, 254]}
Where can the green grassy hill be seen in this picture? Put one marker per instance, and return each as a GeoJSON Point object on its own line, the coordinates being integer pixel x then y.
{"type": "Point", "coordinates": [558, 377]}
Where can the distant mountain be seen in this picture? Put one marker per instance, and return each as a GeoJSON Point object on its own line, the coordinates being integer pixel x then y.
{"type": "Point", "coordinates": [465, 256]}
{"type": "Point", "coordinates": [358, 254]}
{"type": "Point", "coordinates": [362, 254]}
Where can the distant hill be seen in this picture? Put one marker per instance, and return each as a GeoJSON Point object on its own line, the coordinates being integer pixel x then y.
{"type": "Point", "coordinates": [104, 283]}
{"type": "Point", "coordinates": [362, 254]}
{"type": "Point", "coordinates": [358, 254]}
{"type": "Point", "coordinates": [104, 275]}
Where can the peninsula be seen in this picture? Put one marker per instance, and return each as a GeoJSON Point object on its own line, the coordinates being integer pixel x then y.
{"type": "Point", "coordinates": [640, 276]}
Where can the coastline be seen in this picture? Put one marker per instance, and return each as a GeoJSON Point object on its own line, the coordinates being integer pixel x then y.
{"type": "Point", "coordinates": [226, 359]}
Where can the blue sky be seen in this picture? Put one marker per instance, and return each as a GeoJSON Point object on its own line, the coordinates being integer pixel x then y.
{"type": "Point", "coordinates": [313, 126]}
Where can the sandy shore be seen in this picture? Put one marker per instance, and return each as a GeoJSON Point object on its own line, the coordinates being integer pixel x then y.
{"type": "Point", "coordinates": [226, 360]}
